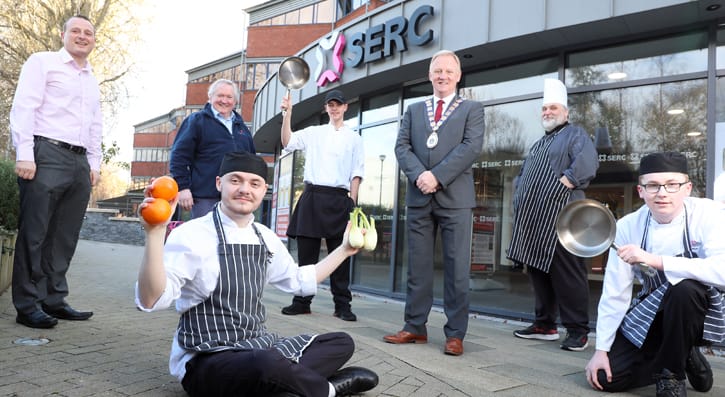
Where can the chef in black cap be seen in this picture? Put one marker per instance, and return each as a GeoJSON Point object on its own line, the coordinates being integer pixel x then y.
{"type": "Point", "coordinates": [334, 168]}
{"type": "Point", "coordinates": [215, 267]}
{"type": "Point", "coordinates": [655, 337]}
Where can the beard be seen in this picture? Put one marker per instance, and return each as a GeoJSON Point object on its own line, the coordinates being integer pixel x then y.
{"type": "Point", "coordinates": [551, 123]}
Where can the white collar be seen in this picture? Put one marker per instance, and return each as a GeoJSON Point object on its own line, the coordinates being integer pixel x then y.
{"type": "Point", "coordinates": [229, 222]}
{"type": "Point", "coordinates": [446, 101]}
{"type": "Point", "coordinates": [218, 114]}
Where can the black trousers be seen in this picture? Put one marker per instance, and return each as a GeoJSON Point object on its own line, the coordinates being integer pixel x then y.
{"type": "Point", "coordinates": [52, 207]}
{"type": "Point", "coordinates": [308, 253]}
{"type": "Point", "coordinates": [677, 327]}
{"type": "Point", "coordinates": [564, 290]}
{"type": "Point", "coordinates": [261, 373]}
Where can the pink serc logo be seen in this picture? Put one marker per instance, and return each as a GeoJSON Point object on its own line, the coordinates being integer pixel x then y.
{"type": "Point", "coordinates": [335, 42]}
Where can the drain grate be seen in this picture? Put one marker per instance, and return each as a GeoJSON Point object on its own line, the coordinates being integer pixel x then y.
{"type": "Point", "coordinates": [31, 341]}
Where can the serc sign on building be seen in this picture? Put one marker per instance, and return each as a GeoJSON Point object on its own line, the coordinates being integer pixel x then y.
{"type": "Point", "coordinates": [375, 43]}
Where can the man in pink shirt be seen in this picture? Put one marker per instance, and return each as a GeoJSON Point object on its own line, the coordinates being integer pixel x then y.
{"type": "Point", "coordinates": [56, 127]}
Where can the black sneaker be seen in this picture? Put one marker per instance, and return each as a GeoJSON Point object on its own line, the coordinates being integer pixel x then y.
{"type": "Point", "coordinates": [575, 341]}
{"type": "Point", "coordinates": [698, 370]}
{"type": "Point", "coordinates": [669, 386]}
{"type": "Point", "coordinates": [295, 309]}
{"type": "Point", "coordinates": [536, 332]}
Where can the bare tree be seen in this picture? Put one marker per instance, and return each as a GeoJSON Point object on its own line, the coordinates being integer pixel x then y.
{"type": "Point", "coordinates": [504, 133]}
{"type": "Point", "coordinates": [662, 130]}
{"type": "Point", "coordinates": [27, 27]}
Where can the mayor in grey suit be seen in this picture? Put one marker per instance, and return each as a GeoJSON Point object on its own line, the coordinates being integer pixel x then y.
{"type": "Point", "coordinates": [438, 141]}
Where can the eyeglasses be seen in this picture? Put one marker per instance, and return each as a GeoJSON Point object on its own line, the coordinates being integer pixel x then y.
{"type": "Point", "coordinates": [671, 187]}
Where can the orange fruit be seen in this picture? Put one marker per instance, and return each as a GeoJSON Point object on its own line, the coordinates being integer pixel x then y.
{"type": "Point", "coordinates": [157, 211]}
{"type": "Point", "coordinates": [164, 187]}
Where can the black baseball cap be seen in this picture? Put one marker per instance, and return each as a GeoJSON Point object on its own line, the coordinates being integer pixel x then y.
{"type": "Point", "coordinates": [335, 95]}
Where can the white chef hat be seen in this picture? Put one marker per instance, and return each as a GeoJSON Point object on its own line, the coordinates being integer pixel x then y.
{"type": "Point", "coordinates": [554, 92]}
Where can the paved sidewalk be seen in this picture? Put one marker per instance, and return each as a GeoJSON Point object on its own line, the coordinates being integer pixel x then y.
{"type": "Point", "coordinates": [124, 352]}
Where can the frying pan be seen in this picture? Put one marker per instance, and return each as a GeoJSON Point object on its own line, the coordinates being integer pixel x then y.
{"type": "Point", "coordinates": [586, 228]}
{"type": "Point", "coordinates": [293, 73]}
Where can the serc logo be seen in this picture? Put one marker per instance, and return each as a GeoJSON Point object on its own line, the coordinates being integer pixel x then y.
{"type": "Point", "coordinates": [372, 45]}
{"type": "Point", "coordinates": [335, 42]}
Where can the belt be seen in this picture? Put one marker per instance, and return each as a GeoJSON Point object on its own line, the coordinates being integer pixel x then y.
{"type": "Point", "coordinates": [67, 146]}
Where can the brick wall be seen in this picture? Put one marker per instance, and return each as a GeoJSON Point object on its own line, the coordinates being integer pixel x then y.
{"type": "Point", "coordinates": [282, 41]}
{"type": "Point", "coordinates": [197, 93]}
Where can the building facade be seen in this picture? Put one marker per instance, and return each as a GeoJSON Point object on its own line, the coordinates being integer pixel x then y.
{"type": "Point", "coordinates": [642, 76]}
{"type": "Point", "coordinates": [274, 33]}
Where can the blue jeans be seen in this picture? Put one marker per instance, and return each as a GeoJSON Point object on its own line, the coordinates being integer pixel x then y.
{"type": "Point", "coordinates": [202, 207]}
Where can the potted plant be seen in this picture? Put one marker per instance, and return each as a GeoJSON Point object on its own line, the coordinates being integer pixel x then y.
{"type": "Point", "coordinates": [9, 208]}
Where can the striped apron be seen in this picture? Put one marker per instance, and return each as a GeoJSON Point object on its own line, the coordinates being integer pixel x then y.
{"type": "Point", "coordinates": [538, 199]}
{"type": "Point", "coordinates": [644, 307]}
{"type": "Point", "coordinates": [233, 317]}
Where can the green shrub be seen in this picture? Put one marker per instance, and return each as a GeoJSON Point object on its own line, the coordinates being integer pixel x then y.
{"type": "Point", "coordinates": [9, 196]}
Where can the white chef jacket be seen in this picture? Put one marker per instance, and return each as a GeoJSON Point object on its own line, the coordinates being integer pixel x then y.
{"type": "Point", "coordinates": [332, 157]}
{"type": "Point", "coordinates": [705, 218]}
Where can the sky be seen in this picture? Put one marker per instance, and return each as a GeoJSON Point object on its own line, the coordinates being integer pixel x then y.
{"type": "Point", "coordinates": [180, 35]}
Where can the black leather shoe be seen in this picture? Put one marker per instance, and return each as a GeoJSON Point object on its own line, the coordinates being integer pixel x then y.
{"type": "Point", "coordinates": [353, 380]}
{"type": "Point", "coordinates": [295, 309]}
{"type": "Point", "coordinates": [346, 315]}
{"type": "Point", "coordinates": [698, 370]}
{"type": "Point", "coordinates": [66, 312]}
{"type": "Point", "coordinates": [36, 319]}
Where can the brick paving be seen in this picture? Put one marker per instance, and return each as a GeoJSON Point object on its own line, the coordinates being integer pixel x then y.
{"type": "Point", "coordinates": [124, 352]}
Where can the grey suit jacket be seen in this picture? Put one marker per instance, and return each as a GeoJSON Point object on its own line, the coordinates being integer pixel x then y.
{"type": "Point", "coordinates": [460, 141]}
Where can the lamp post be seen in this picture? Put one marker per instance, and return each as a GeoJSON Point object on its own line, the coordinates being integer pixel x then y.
{"type": "Point", "coordinates": [380, 197]}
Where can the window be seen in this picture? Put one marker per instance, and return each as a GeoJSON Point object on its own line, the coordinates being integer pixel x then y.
{"type": "Point", "coordinates": [345, 7]}
{"type": "Point", "coordinates": [377, 199]}
{"type": "Point", "coordinates": [321, 12]}
{"type": "Point", "coordinates": [151, 155]}
{"type": "Point", "coordinates": [258, 73]}
{"type": "Point", "coordinates": [509, 81]}
{"type": "Point", "coordinates": [655, 58]}
{"type": "Point", "coordinates": [233, 74]}
{"type": "Point", "coordinates": [379, 108]}
{"type": "Point", "coordinates": [324, 12]}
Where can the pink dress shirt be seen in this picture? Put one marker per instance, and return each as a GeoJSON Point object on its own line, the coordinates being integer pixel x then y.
{"type": "Point", "coordinates": [57, 99]}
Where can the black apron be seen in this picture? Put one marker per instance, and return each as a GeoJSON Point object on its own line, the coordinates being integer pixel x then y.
{"type": "Point", "coordinates": [321, 212]}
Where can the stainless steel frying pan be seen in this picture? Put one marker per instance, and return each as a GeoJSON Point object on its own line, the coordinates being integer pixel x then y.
{"type": "Point", "coordinates": [293, 73]}
{"type": "Point", "coordinates": [587, 228]}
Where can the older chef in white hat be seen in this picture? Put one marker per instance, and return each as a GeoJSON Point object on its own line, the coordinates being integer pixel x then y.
{"type": "Point", "coordinates": [554, 109]}
{"type": "Point", "coordinates": [556, 171]}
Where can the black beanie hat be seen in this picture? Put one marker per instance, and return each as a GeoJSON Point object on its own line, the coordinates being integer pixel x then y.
{"type": "Point", "coordinates": [663, 162]}
{"type": "Point", "coordinates": [243, 162]}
